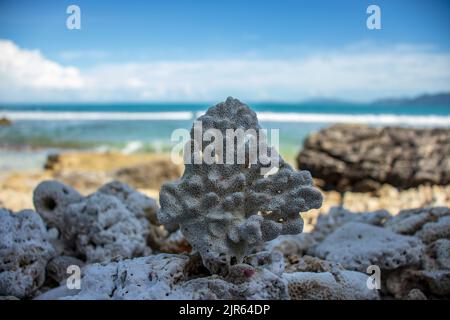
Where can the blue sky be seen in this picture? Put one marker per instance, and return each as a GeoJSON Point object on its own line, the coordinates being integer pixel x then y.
{"type": "Point", "coordinates": [264, 37]}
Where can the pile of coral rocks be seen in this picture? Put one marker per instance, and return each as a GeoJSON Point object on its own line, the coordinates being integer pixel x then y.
{"type": "Point", "coordinates": [114, 237]}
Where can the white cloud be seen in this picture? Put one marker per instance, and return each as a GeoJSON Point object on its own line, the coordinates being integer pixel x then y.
{"type": "Point", "coordinates": [25, 69]}
{"type": "Point", "coordinates": [359, 75]}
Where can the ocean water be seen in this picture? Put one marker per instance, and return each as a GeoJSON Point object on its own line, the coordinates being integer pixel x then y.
{"type": "Point", "coordinates": [46, 128]}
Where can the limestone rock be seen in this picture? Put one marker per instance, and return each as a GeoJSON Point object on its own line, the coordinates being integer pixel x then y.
{"type": "Point", "coordinates": [51, 199]}
{"type": "Point", "coordinates": [416, 294]}
{"type": "Point", "coordinates": [24, 253]}
{"type": "Point", "coordinates": [138, 203]}
{"type": "Point", "coordinates": [435, 283]}
{"type": "Point", "coordinates": [412, 221]}
{"type": "Point", "coordinates": [98, 227]}
{"type": "Point", "coordinates": [361, 158]}
{"type": "Point", "coordinates": [338, 216]}
{"type": "Point", "coordinates": [166, 276]}
{"type": "Point", "coordinates": [357, 246]}
{"type": "Point", "coordinates": [433, 231]}
{"type": "Point", "coordinates": [57, 267]}
{"type": "Point", "coordinates": [316, 279]}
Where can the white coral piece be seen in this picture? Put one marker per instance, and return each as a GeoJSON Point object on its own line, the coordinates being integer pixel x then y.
{"type": "Point", "coordinates": [225, 210]}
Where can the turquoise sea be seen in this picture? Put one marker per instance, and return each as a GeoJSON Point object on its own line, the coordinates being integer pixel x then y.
{"type": "Point", "coordinates": [40, 129]}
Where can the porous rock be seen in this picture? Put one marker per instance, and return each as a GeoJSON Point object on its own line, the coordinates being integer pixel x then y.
{"type": "Point", "coordinates": [57, 268]}
{"type": "Point", "coordinates": [165, 276]}
{"type": "Point", "coordinates": [357, 246]}
{"type": "Point", "coordinates": [362, 158]}
{"type": "Point", "coordinates": [316, 279]}
{"type": "Point", "coordinates": [98, 227]}
{"type": "Point", "coordinates": [226, 209]}
{"type": "Point", "coordinates": [416, 294]}
{"type": "Point", "coordinates": [24, 253]}
{"type": "Point", "coordinates": [338, 216]}
{"type": "Point", "coordinates": [435, 283]}
{"type": "Point", "coordinates": [138, 203]}
{"type": "Point", "coordinates": [423, 222]}
{"type": "Point", "coordinates": [433, 231]}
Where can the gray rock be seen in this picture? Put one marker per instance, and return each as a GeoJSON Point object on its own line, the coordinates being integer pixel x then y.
{"type": "Point", "coordinates": [57, 267]}
{"type": "Point", "coordinates": [412, 221]}
{"type": "Point", "coordinates": [108, 224]}
{"type": "Point", "coordinates": [51, 199]}
{"type": "Point", "coordinates": [138, 203]}
{"type": "Point", "coordinates": [357, 246]}
{"type": "Point", "coordinates": [24, 253]}
{"type": "Point", "coordinates": [342, 285]}
{"type": "Point", "coordinates": [433, 231]}
{"type": "Point", "coordinates": [166, 276]}
{"type": "Point", "coordinates": [338, 216]}
{"type": "Point", "coordinates": [361, 158]}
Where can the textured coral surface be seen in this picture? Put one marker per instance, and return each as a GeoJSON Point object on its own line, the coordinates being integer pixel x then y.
{"type": "Point", "coordinates": [226, 209]}
{"type": "Point", "coordinates": [24, 252]}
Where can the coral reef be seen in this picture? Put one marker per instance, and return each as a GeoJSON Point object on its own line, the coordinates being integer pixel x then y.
{"type": "Point", "coordinates": [24, 253]}
{"type": "Point", "coordinates": [362, 158]}
{"type": "Point", "coordinates": [224, 210]}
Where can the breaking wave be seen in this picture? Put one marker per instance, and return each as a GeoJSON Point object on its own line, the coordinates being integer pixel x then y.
{"type": "Point", "coordinates": [293, 117]}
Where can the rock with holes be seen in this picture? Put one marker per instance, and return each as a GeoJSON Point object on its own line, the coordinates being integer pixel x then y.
{"type": "Point", "coordinates": [432, 277]}
{"type": "Point", "coordinates": [342, 285]}
{"type": "Point", "coordinates": [435, 230]}
{"type": "Point", "coordinates": [51, 199]}
{"type": "Point", "coordinates": [429, 224]}
{"type": "Point", "coordinates": [165, 276]}
{"type": "Point", "coordinates": [224, 210]}
{"type": "Point", "coordinates": [138, 203]}
{"type": "Point", "coordinates": [415, 294]}
{"type": "Point", "coordinates": [57, 268]}
{"type": "Point", "coordinates": [362, 158]}
{"type": "Point", "coordinates": [434, 283]}
{"type": "Point", "coordinates": [437, 255]}
{"type": "Point", "coordinates": [315, 279]}
{"type": "Point", "coordinates": [24, 253]}
{"type": "Point", "coordinates": [300, 244]}
{"type": "Point", "coordinates": [358, 245]}
{"type": "Point", "coordinates": [99, 227]}
{"type": "Point", "coordinates": [338, 216]}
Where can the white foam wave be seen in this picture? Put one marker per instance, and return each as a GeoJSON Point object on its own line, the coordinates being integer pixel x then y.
{"type": "Point", "coordinates": [86, 116]}
{"type": "Point", "coordinates": [385, 119]}
{"type": "Point", "coordinates": [421, 120]}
